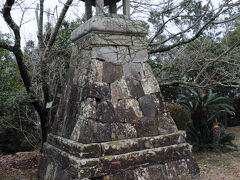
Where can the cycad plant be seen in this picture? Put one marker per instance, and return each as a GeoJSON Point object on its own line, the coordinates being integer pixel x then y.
{"type": "Point", "coordinates": [206, 108]}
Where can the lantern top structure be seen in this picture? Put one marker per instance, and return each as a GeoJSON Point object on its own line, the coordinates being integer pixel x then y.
{"type": "Point", "coordinates": [100, 4]}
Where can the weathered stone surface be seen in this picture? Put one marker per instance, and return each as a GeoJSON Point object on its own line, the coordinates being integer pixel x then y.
{"type": "Point", "coordinates": [105, 112]}
{"type": "Point", "coordinates": [97, 167]}
{"type": "Point", "coordinates": [117, 163]}
{"type": "Point", "coordinates": [96, 72]}
{"type": "Point", "coordinates": [93, 132]}
{"type": "Point", "coordinates": [71, 119]}
{"type": "Point", "coordinates": [155, 172]}
{"type": "Point", "coordinates": [121, 145]}
{"type": "Point", "coordinates": [112, 72]}
{"type": "Point", "coordinates": [148, 106]}
{"type": "Point", "coordinates": [119, 91]}
{"type": "Point", "coordinates": [137, 144]}
{"type": "Point", "coordinates": [149, 82]}
{"type": "Point", "coordinates": [138, 54]}
{"type": "Point", "coordinates": [166, 124]}
{"type": "Point", "coordinates": [139, 41]}
{"type": "Point", "coordinates": [147, 127]}
{"type": "Point", "coordinates": [192, 167]}
{"type": "Point", "coordinates": [134, 70]}
{"type": "Point", "coordinates": [177, 170]}
{"type": "Point", "coordinates": [105, 53]}
{"type": "Point", "coordinates": [128, 110]}
{"type": "Point", "coordinates": [122, 131]}
{"type": "Point", "coordinates": [135, 88]}
{"type": "Point", "coordinates": [112, 26]}
{"type": "Point", "coordinates": [74, 148]}
{"type": "Point", "coordinates": [162, 106]}
{"type": "Point", "coordinates": [71, 110]}
{"type": "Point", "coordinates": [123, 54]}
{"type": "Point", "coordinates": [97, 90]}
{"type": "Point", "coordinates": [103, 40]}
{"type": "Point", "coordinates": [66, 92]}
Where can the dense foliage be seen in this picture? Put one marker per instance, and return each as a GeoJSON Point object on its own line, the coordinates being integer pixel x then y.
{"type": "Point", "coordinates": [18, 125]}
{"type": "Point", "coordinates": [207, 109]}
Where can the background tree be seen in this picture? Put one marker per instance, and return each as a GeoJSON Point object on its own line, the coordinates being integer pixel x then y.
{"type": "Point", "coordinates": [44, 52]}
{"type": "Point", "coordinates": [19, 130]}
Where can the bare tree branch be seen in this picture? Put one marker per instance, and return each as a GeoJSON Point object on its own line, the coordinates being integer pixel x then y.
{"type": "Point", "coordinates": [237, 43]}
{"type": "Point", "coordinates": [57, 26]}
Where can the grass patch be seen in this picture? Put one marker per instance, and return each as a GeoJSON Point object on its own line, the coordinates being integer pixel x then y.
{"type": "Point", "coordinates": [236, 155]}
{"type": "Point", "coordinates": [214, 161]}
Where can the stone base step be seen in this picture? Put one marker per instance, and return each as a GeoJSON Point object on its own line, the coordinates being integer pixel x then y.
{"type": "Point", "coordinates": [94, 150]}
{"type": "Point", "coordinates": [114, 164]}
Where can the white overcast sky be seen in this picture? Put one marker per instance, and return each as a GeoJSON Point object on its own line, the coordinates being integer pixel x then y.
{"type": "Point", "coordinates": [29, 25]}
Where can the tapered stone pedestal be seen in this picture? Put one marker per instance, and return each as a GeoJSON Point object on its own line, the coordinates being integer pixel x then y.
{"type": "Point", "coordinates": [112, 122]}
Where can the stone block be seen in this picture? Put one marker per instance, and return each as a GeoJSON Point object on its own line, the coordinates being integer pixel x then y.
{"type": "Point", "coordinates": [123, 54]}
{"type": "Point", "coordinates": [150, 85]}
{"type": "Point", "coordinates": [128, 111]}
{"type": "Point", "coordinates": [97, 90]}
{"type": "Point", "coordinates": [112, 39]}
{"type": "Point", "coordinates": [147, 127]}
{"type": "Point", "coordinates": [136, 144]}
{"type": "Point", "coordinates": [88, 108]}
{"type": "Point", "coordinates": [105, 112]}
{"type": "Point", "coordinates": [134, 70]}
{"type": "Point", "coordinates": [96, 71]}
{"type": "Point", "coordinates": [148, 107]}
{"type": "Point", "coordinates": [58, 123]}
{"type": "Point", "coordinates": [70, 118]}
{"type": "Point", "coordinates": [166, 124]}
{"type": "Point", "coordinates": [122, 131]}
{"type": "Point", "coordinates": [112, 72]}
{"type": "Point", "coordinates": [192, 166]}
{"type": "Point", "coordinates": [138, 54]}
{"type": "Point", "coordinates": [119, 163]}
{"type": "Point", "coordinates": [162, 106]}
{"type": "Point", "coordinates": [105, 53]}
{"type": "Point", "coordinates": [74, 148]}
{"type": "Point", "coordinates": [119, 91]}
{"type": "Point", "coordinates": [177, 170]}
{"type": "Point", "coordinates": [110, 25]}
{"type": "Point", "coordinates": [103, 40]}
{"type": "Point", "coordinates": [135, 87]}
{"type": "Point", "coordinates": [92, 131]}
{"type": "Point", "coordinates": [139, 41]}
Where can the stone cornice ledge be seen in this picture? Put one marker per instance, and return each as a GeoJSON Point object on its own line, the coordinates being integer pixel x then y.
{"type": "Point", "coordinates": [111, 25]}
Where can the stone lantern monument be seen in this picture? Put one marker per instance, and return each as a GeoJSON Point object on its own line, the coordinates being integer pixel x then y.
{"type": "Point", "coordinates": [112, 122]}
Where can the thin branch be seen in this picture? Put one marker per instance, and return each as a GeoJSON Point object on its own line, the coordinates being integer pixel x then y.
{"type": "Point", "coordinates": [237, 43]}
{"type": "Point", "coordinates": [167, 48]}
{"type": "Point", "coordinates": [57, 26]}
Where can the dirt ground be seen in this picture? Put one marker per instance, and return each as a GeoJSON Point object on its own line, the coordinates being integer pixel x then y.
{"type": "Point", "coordinates": [21, 166]}
{"type": "Point", "coordinates": [213, 166]}
{"type": "Point", "coordinates": [220, 166]}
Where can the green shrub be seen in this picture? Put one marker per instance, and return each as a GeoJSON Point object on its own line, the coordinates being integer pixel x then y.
{"type": "Point", "coordinates": [180, 115]}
